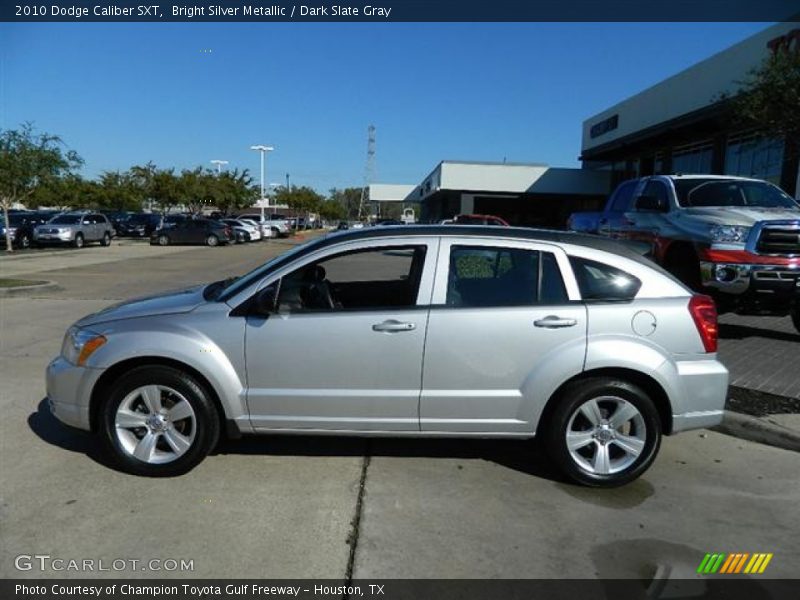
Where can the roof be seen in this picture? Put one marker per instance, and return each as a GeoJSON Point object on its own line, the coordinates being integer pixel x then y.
{"type": "Point", "coordinates": [629, 250]}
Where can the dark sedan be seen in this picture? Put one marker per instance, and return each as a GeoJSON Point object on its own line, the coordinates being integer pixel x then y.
{"type": "Point", "coordinates": [194, 231]}
{"type": "Point", "coordinates": [21, 226]}
{"type": "Point", "coordinates": [140, 225]}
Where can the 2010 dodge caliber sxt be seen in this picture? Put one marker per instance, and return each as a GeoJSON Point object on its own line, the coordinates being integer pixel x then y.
{"type": "Point", "coordinates": [406, 331]}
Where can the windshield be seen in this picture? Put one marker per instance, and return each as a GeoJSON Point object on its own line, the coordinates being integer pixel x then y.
{"type": "Point", "coordinates": [234, 285]}
{"type": "Point", "coordinates": [731, 192]}
{"type": "Point", "coordinates": [66, 220]}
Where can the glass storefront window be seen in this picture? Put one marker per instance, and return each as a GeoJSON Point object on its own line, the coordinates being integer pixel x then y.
{"type": "Point", "coordinates": [692, 158]}
{"type": "Point", "coordinates": [751, 156]}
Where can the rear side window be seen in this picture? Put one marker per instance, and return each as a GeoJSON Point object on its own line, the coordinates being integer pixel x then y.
{"type": "Point", "coordinates": [601, 282]}
{"type": "Point", "coordinates": [482, 276]}
{"type": "Point", "coordinates": [624, 196]}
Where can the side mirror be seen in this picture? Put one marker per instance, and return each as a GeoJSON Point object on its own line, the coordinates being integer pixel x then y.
{"type": "Point", "coordinates": [266, 300]}
{"type": "Point", "coordinates": [652, 203]}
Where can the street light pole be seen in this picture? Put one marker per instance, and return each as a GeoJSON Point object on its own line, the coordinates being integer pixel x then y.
{"type": "Point", "coordinates": [219, 164]}
{"type": "Point", "coordinates": [263, 150]}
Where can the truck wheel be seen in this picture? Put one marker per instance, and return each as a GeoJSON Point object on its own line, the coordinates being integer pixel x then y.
{"type": "Point", "coordinates": [604, 432]}
{"type": "Point", "coordinates": [158, 421]}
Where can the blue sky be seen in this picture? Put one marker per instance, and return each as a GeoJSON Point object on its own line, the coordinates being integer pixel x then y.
{"type": "Point", "coordinates": [123, 94]}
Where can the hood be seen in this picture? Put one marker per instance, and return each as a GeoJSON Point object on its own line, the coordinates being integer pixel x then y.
{"type": "Point", "coordinates": [739, 215]}
{"type": "Point", "coordinates": [168, 303]}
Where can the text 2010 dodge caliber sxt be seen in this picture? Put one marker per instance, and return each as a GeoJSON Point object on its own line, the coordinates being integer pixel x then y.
{"type": "Point", "coordinates": [406, 331]}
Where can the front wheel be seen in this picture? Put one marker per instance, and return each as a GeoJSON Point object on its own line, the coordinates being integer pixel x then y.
{"type": "Point", "coordinates": [163, 240]}
{"type": "Point", "coordinates": [158, 421]}
{"type": "Point", "coordinates": [78, 243]}
{"type": "Point", "coordinates": [25, 241]}
{"type": "Point", "coordinates": [106, 241]}
{"type": "Point", "coordinates": [604, 432]}
{"type": "Point", "coordinates": [212, 240]}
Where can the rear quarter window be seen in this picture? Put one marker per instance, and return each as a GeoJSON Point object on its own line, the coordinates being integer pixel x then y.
{"type": "Point", "coordinates": [600, 282]}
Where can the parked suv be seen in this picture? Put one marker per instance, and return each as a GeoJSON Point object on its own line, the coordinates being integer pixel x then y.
{"type": "Point", "coordinates": [76, 229]}
{"type": "Point", "coordinates": [429, 331]}
{"type": "Point", "coordinates": [734, 237]}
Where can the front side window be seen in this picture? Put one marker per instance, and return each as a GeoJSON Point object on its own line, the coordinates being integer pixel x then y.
{"type": "Point", "coordinates": [373, 279]}
{"type": "Point", "coordinates": [601, 282]}
{"type": "Point", "coordinates": [482, 276]}
{"type": "Point", "coordinates": [624, 196]}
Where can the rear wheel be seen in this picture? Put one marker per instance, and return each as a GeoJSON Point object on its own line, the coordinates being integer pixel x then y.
{"type": "Point", "coordinates": [158, 421]}
{"type": "Point", "coordinates": [78, 242]}
{"type": "Point", "coordinates": [106, 241]}
{"type": "Point", "coordinates": [212, 240]}
{"type": "Point", "coordinates": [604, 432]}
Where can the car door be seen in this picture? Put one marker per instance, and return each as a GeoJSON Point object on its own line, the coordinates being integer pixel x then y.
{"type": "Point", "coordinates": [647, 223]}
{"type": "Point", "coordinates": [505, 318]}
{"type": "Point", "coordinates": [343, 349]}
{"type": "Point", "coordinates": [88, 228]}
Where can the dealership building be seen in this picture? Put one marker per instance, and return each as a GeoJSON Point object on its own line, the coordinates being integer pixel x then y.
{"type": "Point", "coordinates": [679, 125]}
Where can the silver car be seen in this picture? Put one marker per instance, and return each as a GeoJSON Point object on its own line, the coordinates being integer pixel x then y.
{"type": "Point", "coordinates": [75, 229]}
{"type": "Point", "coordinates": [406, 331]}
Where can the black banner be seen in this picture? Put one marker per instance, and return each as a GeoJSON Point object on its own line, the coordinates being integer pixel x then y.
{"type": "Point", "coordinates": [402, 10]}
{"type": "Point", "coordinates": [739, 587]}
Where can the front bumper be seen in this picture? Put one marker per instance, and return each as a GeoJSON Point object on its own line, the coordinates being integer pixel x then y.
{"type": "Point", "coordinates": [705, 388]}
{"type": "Point", "coordinates": [69, 390]}
{"type": "Point", "coordinates": [54, 238]}
{"type": "Point", "coordinates": [737, 279]}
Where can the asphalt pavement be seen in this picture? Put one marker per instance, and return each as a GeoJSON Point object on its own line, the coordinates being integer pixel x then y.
{"type": "Point", "coordinates": [333, 507]}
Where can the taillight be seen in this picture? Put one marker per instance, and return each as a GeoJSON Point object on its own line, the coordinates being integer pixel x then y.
{"type": "Point", "coordinates": [704, 313]}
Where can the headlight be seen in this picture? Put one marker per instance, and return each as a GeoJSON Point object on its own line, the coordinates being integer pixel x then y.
{"type": "Point", "coordinates": [80, 344]}
{"type": "Point", "coordinates": [731, 234]}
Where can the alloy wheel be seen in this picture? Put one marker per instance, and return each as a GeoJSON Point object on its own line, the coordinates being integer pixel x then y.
{"type": "Point", "coordinates": [155, 424]}
{"type": "Point", "coordinates": [606, 435]}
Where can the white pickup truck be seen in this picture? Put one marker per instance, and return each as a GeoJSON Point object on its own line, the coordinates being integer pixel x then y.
{"type": "Point", "coordinates": [735, 238]}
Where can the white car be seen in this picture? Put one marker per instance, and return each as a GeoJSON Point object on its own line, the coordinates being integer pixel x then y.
{"type": "Point", "coordinates": [254, 231]}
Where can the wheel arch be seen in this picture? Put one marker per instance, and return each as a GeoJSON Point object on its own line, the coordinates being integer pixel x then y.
{"type": "Point", "coordinates": [652, 387]}
{"type": "Point", "coordinates": [228, 427]}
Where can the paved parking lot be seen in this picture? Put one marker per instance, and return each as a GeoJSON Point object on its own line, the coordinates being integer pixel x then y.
{"type": "Point", "coordinates": [295, 506]}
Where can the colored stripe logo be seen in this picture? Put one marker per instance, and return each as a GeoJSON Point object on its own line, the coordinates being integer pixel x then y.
{"type": "Point", "coordinates": [737, 562]}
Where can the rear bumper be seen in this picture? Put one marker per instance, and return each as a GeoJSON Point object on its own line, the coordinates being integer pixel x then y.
{"type": "Point", "coordinates": [705, 389]}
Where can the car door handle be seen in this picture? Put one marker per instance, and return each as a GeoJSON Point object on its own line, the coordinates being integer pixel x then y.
{"type": "Point", "coordinates": [554, 322]}
{"type": "Point", "coordinates": [392, 325]}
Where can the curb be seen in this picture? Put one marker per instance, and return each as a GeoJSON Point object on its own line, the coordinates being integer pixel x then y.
{"type": "Point", "coordinates": [46, 286]}
{"type": "Point", "coordinates": [758, 430]}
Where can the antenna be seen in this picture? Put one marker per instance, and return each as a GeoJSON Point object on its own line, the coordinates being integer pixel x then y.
{"type": "Point", "coordinates": [369, 169]}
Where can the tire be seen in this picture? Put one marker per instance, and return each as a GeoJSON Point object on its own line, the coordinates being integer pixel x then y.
{"type": "Point", "coordinates": [106, 241]}
{"type": "Point", "coordinates": [163, 240]}
{"type": "Point", "coordinates": [137, 430]}
{"type": "Point", "coordinates": [796, 316]}
{"type": "Point", "coordinates": [596, 457]}
{"type": "Point", "coordinates": [212, 240]}
{"type": "Point", "coordinates": [78, 241]}
{"type": "Point", "coordinates": [25, 241]}
{"type": "Point", "coordinates": [276, 233]}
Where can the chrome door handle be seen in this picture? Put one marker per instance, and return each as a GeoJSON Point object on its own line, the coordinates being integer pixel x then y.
{"type": "Point", "coordinates": [392, 325]}
{"type": "Point", "coordinates": [554, 322]}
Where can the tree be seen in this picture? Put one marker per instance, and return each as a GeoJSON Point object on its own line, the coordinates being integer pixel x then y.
{"type": "Point", "coordinates": [232, 190]}
{"type": "Point", "coordinates": [68, 192]}
{"type": "Point", "coordinates": [119, 191]}
{"type": "Point", "coordinates": [28, 160]}
{"type": "Point", "coordinates": [349, 199]}
{"type": "Point", "coordinates": [769, 97]}
{"type": "Point", "coordinates": [300, 199]}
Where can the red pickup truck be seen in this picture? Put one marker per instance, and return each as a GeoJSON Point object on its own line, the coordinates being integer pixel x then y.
{"type": "Point", "coordinates": [735, 238]}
